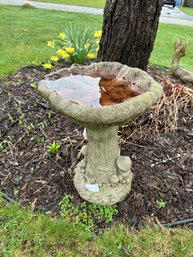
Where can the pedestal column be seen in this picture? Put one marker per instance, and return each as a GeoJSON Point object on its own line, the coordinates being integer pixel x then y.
{"type": "Point", "coordinates": [102, 154]}
{"type": "Point", "coordinates": [103, 176]}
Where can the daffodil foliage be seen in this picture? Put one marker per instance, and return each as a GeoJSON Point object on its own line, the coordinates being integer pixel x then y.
{"type": "Point", "coordinates": [74, 43]}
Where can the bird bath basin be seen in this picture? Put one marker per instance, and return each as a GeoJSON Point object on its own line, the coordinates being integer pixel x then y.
{"type": "Point", "coordinates": [101, 97]}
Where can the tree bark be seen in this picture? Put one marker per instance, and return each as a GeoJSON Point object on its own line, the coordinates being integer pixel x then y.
{"type": "Point", "coordinates": [129, 31]}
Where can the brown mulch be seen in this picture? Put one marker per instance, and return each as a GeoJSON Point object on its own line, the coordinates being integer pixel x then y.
{"type": "Point", "coordinates": [162, 165]}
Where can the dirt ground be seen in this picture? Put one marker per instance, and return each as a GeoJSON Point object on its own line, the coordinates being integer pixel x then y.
{"type": "Point", "coordinates": [162, 165]}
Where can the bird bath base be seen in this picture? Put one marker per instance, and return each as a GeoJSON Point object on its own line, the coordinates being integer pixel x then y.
{"type": "Point", "coordinates": [103, 176]}
{"type": "Point", "coordinates": [107, 195]}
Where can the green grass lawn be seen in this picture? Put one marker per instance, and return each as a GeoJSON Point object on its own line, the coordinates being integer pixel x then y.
{"type": "Point", "coordinates": [31, 234]}
{"type": "Point", "coordinates": [187, 10]}
{"type": "Point", "coordinates": [90, 3]}
{"type": "Point", "coordinates": [163, 47]}
{"type": "Point", "coordinates": [24, 34]}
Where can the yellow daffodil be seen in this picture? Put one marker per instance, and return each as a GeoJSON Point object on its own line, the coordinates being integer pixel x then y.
{"type": "Point", "coordinates": [98, 33]}
{"type": "Point", "coordinates": [62, 36]}
{"type": "Point", "coordinates": [47, 65]}
{"type": "Point", "coordinates": [97, 41]}
{"type": "Point", "coordinates": [69, 50]}
{"type": "Point", "coordinates": [51, 44]}
{"type": "Point", "coordinates": [54, 58]}
{"type": "Point", "coordinates": [63, 53]}
{"type": "Point", "coordinates": [86, 46]}
{"type": "Point", "coordinates": [60, 52]}
{"type": "Point", "coordinates": [90, 56]}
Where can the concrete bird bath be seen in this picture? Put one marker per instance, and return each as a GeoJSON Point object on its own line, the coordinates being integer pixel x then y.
{"type": "Point", "coordinates": [101, 97]}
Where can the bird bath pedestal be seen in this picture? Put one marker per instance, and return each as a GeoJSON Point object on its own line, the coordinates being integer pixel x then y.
{"type": "Point", "coordinates": [101, 97]}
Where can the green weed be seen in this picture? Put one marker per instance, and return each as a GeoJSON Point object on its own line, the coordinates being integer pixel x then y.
{"type": "Point", "coordinates": [161, 204]}
{"type": "Point", "coordinates": [34, 85]}
{"type": "Point", "coordinates": [54, 147]}
{"type": "Point", "coordinates": [86, 214]}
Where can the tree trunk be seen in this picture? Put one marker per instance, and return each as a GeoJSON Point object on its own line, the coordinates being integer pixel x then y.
{"type": "Point", "coordinates": [129, 31]}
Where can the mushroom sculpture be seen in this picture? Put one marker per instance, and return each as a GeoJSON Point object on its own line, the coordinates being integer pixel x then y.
{"type": "Point", "coordinates": [101, 97]}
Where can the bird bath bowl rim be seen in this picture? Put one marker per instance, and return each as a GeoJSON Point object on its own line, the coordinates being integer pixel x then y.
{"type": "Point", "coordinates": [116, 114]}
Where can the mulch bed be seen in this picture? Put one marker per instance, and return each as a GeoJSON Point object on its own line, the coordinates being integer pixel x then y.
{"type": "Point", "coordinates": [162, 165]}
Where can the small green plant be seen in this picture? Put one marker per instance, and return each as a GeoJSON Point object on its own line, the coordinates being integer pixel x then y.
{"type": "Point", "coordinates": [34, 85]}
{"type": "Point", "coordinates": [86, 214]}
{"type": "Point", "coordinates": [38, 139]}
{"type": "Point", "coordinates": [30, 127]}
{"type": "Point", "coordinates": [54, 147]}
{"type": "Point", "coordinates": [75, 43]}
{"type": "Point", "coordinates": [10, 117]}
{"type": "Point", "coordinates": [42, 124]}
{"type": "Point", "coordinates": [161, 204]}
{"type": "Point", "coordinates": [4, 145]}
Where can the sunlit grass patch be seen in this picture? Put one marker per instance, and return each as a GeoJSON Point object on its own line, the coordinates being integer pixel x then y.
{"type": "Point", "coordinates": [90, 3]}
{"type": "Point", "coordinates": [186, 10]}
{"type": "Point", "coordinates": [25, 32]}
{"type": "Point", "coordinates": [164, 45]}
